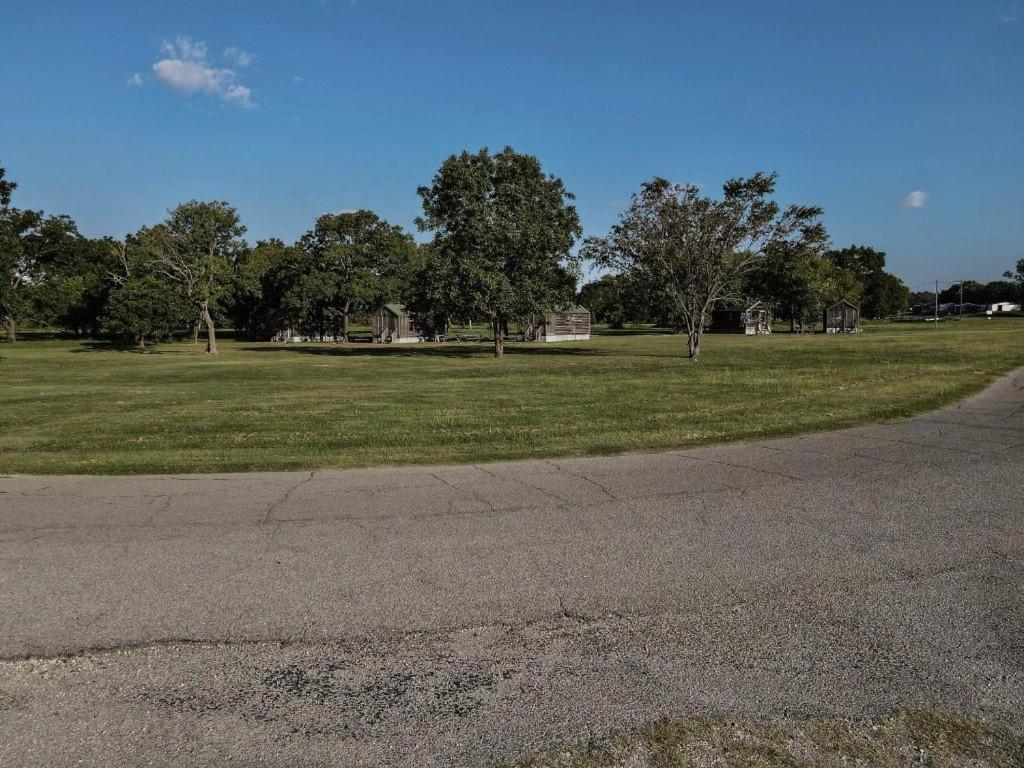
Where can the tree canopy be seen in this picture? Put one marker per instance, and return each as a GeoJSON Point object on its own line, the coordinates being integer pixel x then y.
{"type": "Point", "coordinates": [31, 245]}
{"type": "Point", "coordinates": [356, 262]}
{"type": "Point", "coordinates": [883, 294]}
{"type": "Point", "coordinates": [195, 248]}
{"type": "Point", "coordinates": [503, 232]}
{"type": "Point", "coordinates": [692, 251]}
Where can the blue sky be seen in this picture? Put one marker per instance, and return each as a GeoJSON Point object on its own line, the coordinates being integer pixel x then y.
{"type": "Point", "coordinates": [115, 111]}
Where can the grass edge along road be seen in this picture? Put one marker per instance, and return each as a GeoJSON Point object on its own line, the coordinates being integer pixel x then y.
{"type": "Point", "coordinates": [74, 407]}
{"type": "Point", "coordinates": [900, 739]}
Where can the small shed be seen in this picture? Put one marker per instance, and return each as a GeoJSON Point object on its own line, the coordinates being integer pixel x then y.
{"type": "Point", "coordinates": [842, 317]}
{"type": "Point", "coordinates": [1005, 306]}
{"type": "Point", "coordinates": [570, 323]}
{"type": "Point", "coordinates": [757, 320]}
{"type": "Point", "coordinates": [754, 320]}
{"type": "Point", "coordinates": [392, 325]}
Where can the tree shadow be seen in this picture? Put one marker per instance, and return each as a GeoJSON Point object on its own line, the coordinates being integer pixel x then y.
{"type": "Point", "coordinates": [449, 350]}
{"type": "Point", "coordinates": [128, 348]}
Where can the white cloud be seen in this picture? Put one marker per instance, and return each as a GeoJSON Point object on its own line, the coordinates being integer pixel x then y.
{"type": "Point", "coordinates": [135, 79]}
{"type": "Point", "coordinates": [298, 79]}
{"type": "Point", "coordinates": [239, 94]}
{"type": "Point", "coordinates": [187, 69]}
{"type": "Point", "coordinates": [237, 56]}
{"type": "Point", "coordinates": [915, 199]}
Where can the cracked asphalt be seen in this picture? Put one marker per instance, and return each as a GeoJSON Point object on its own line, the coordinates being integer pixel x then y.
{"type": "Point", "coordinates": [464, 615]}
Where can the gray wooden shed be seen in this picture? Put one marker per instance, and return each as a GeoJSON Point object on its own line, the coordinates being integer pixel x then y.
{"type": "Point", "coordinates": [842, 317]}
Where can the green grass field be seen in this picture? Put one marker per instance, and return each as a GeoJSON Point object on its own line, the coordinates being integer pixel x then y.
{"type": "Point", "coordinates": [75, 407]}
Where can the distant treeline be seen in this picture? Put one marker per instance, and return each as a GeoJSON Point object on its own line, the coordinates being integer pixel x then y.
{"type": "Point", "coordinates": [503, 237]}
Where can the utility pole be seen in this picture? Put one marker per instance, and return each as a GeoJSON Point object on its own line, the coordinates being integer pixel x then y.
{"type": "Point", "coordinates": [936, 319]}
{"type": "Point", "coordinates": [961, 299]}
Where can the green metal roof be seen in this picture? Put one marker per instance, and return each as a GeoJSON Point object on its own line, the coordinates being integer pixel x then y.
{"type": "Point", "coordinates": [395, 309]}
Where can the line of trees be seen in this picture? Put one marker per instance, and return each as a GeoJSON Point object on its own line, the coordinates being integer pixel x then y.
{"type": "Point", "coordinates": [502, 245]}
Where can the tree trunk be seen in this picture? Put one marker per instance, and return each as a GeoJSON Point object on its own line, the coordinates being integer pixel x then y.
{"type": "Point", "coordinates": [693, 334]}
{"type": "Point", "coordinates": [142, 342]}
{"type": "Point", "coordinates": [499, 339]}
{"type": "Point", "coordinates": [344, 324]}
{"type": "Point", "coordinates": [211, 333]}
{"type": "Point", "coordinates": [12, 329]}
{"type": "Point", "coordinates": [195, 332]}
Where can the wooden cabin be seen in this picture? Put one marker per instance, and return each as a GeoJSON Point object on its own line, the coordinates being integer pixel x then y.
{"type": "Point", "coordinates": [392, 325]}
{"type": "Point", "coordinates": [757, 320]}
{"type": "Point", "coordinates": [842, 317]}
{"type": "Point", "coordinates": [560, 324]}
{"type": "Point", "coordinates": [754, 320]}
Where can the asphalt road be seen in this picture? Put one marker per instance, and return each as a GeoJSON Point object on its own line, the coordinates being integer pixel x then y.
{"type": "Point", "coordinates": [463, 615]}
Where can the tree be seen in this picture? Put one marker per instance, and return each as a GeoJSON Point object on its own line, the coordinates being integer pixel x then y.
{"type": "Point", "coordinates": [695, 251]}
{"type": "Point", "coordinates": [145, 307]}
{"type": "Point", "coordinates": [1017, 278]}
{"type": "Point", "coordinates": [358, 259]}
{"type": "Point", "coordinates": [195, 248]}
{"type": "Point", "coordinates": [430, 292]}
{"type": "Point", "coordinates": [29, 244]}
{"type": "Point", "coordinates": [613, 299]}
{"type": "Point", "coordinates": [794, 279]}
{"type": "Point", "coordinates": [73, 290]}
{"type": "Point", "coordinates": [255, 291]}
{"type": "Point", "coordinates": [883, 293]}
{"type": "Point", "coordinates": [503, 231]}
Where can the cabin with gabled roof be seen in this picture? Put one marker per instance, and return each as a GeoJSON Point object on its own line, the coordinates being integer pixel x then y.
{"type": "Point", "coordinates": [392, 325]}
{"type": "Point", "coordinates": [842, 317]}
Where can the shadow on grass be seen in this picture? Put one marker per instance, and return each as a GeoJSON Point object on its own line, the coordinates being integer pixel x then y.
{"type": "Point", "coordinates": [460, 350]}
{"type": "Point", "coordinates": [627, 331]}
{"type": "Point", "coordinates": [111, 346]}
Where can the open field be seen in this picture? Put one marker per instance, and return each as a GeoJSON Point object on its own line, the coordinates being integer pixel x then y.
{"type": "Point", "coordinates": [73, 407]}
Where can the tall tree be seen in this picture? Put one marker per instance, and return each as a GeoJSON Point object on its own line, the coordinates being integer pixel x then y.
{"type": "Point", "coordinates": [29, 245]}
{"type": "Point", "coordinates": [361, 258]}
{"type": "Point", "coordinates": [694, 250]}
{"type": "Point", "coordinates": [794, 279]}
{"type": "Point", "coordinates": [255, 298]}
{"type": "Point", "coordinates": [144, 307]}
{"type": "Point", "coordinates": [503, 231]}
{"type": "Point", "coordinates": [195, 248]}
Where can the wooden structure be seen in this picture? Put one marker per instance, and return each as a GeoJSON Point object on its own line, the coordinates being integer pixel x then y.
{"type": "Point", "coordinates": [842, 317]}
{"type": "Point", "coordinates": [392, 325]}
{"type": "Point", "coordinates": [1005, 306]}
{"type": "Point", "coordinates": [755, 320]}
{"type": "Point", "coordinates": [570, 323]}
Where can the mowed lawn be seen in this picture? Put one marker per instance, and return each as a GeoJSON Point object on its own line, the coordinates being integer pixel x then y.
{"type": "Point", "coordinates": [75, 407]}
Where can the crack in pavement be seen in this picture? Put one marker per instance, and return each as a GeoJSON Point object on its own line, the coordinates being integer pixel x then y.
{"type": "Point", "coordinates": [274, 506]}
{"type": "Point", "coordinates": [737, 600]}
